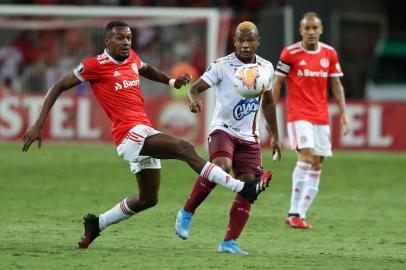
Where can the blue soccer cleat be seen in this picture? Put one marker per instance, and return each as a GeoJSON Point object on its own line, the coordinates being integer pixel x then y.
{"type": "Point", "coordinates": [183, 222]}
{"type": "Point", "coordinates": [231, 246]}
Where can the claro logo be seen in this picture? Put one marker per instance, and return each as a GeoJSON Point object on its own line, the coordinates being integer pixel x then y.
{"type": "Point", "coordinates": [125, 84]}
{"type": "Point", "coordinates": [245, 107]}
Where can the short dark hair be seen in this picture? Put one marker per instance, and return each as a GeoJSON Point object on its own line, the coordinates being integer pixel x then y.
{"type": "Point", "coordinates": [112, 24]}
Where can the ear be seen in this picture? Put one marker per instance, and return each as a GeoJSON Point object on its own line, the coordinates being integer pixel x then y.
{"type": "Point", "coordinates": [259, 41]}
{"type": "Point", "coordinates": [321, 29]}
{"type": "Point", "coordinates": [106, 42]}
{"type": "Point", "coordinates": [300, 31]}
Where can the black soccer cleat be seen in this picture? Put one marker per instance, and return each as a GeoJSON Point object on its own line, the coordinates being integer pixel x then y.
{"type": "Point", "coordinates": [92, 230]}
{"type": "Point", "coordinates": [252, 189]}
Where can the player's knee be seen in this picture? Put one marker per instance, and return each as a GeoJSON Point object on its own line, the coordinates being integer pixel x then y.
{"type": "Point", "coordinates": [307, 158]}
{"type": "Point", "coordinates": [223, 165]}
{"type": "Point", "coordinates": [187, 149]}
{"type": "Point", "coordinates": [150, 202]}
{"type": "Point", "coordinates": [316, 166]}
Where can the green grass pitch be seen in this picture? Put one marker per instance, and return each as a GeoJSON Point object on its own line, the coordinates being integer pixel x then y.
{"type": "Point", "coordinates": [358, 218]}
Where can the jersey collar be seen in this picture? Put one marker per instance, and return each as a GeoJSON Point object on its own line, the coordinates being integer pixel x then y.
{"type": "Point", "coordinates": [256, 58]}
{"type": "Point", "coordinates": [114, 60]}
{"type": "Point", "coordinates": [311, 52]}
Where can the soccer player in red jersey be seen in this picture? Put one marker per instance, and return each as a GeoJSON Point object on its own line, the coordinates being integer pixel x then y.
{"type": "Point", "coordinates": [114, 77]}
{"type": "Point", "coordinates": [307, 66]}
{"type": "Point", "coordinates": [233, 139]}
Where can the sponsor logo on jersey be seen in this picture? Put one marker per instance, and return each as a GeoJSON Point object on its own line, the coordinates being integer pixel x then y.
{"type": "Point", "coordinates": [324, 62]}
{"type": "Point", "coordinates": [302, 63]}
{"type": "Point", "coordinates": [311, 73]}
{"type": "Point", "coordinates": [117, 86]}
{"type": "Point", "coordinates": [116, 74]}
{"type": "Point", "coordinates": [245, 107]}
{"type": "Point", "coordinates": [125, 84]}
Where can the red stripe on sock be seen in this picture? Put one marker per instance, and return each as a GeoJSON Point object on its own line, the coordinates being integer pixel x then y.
{"type": "Point", "coordinates": [208, 171]}
{"type": "Point", "coordinates": [124, 209]}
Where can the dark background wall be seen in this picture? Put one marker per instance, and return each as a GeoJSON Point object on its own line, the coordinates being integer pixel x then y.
{"type": "Point", "coordinates": [352, 27]}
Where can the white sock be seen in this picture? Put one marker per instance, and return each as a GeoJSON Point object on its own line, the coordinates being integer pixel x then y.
{"type": "Point", "coordinates": [312, 180]}
{"type": "Point", "coordinates": [215, 174]}
{"type": "Point", "coordinates": [116, 214]}
{"type": "Point", "coordinates": [298, 182]}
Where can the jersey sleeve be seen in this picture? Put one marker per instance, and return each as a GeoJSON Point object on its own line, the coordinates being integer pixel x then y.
{"type": "Point", "coordinates": [212, 76]}
{"type": "Point", "coordinates": [284, 65]}
{"type": "Point", "coordinates": [86, 70]}
{"type": "Point", "coordinates": [335, 68]}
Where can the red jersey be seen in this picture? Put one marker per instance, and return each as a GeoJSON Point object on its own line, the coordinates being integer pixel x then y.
{"type": "Point", "coordinates": [116, 86]}
{"type": "Point", "coordinates": [307, 77]}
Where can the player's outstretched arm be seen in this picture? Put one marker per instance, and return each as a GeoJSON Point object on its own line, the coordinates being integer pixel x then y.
{"type": "Point", "coordinates": [150, 72]}
{"type": "Point", "coordinates": [269, 111]}
{"type": "Point", "coordinates": [33, 133]}
{"type": "Point", "coordinates": [276, 88]}
{"type": "Point", "coordinates": [338, 92]}
{"type": "Point", "coordinates": [193, 93]}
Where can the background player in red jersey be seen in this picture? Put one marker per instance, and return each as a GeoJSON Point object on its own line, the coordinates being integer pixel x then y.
{"type": "Point", "coordinates": [308, 65]}
{"type": "Point", "coordinates": [233, 140]}
{"type": "Point", "coordinates": [114, 79]}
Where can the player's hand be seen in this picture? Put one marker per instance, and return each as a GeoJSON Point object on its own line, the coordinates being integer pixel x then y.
{"type": "Point", "coordinates": [31, 135]}
{"type": "Point", "coordinates": [182, 80]}
{"type": "Point", "coordinates": [196, 106]}
{"type": "Point", "coordinates": [344, 124]}
{"type": "Point", "coordinates": [276, 150]}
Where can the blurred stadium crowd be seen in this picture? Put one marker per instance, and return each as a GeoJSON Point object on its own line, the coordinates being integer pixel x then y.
{"type": "Point", "coordinates": [32, 59]}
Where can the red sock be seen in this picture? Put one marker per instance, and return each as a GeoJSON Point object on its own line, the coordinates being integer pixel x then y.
{"type": "Point", "coordinates": [239, 214]}
{"type": "Point", "coordinates": [200, 191]}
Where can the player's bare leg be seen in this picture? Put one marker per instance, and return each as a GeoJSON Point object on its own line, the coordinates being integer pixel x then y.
{"type": "Point", "coordinates": [148, 185]}
{"type": "Point", "coordinates": [164, 146]}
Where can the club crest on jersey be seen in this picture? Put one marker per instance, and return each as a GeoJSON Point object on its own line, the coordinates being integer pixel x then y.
{"type": "Point", "coordinates": [245, 107]}
{"type": "Point", "coordinates": [324, 62]}
{"type": "Point", "coordinates": [134, 67]}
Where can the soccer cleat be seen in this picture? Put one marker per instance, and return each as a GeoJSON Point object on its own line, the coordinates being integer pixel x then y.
{"type": "Point", "coordinates": [252, 189]}
{"type": "Point", "coordinates": [183, 222]}
{"type": "Point", "coordinates": [231, 246]}
{"type": "Point", "coordinates": [92, 230]}
{"type": "Point", "coordinates": [306, 225]}
{"type": "Point", "coordinates": [297, 223]}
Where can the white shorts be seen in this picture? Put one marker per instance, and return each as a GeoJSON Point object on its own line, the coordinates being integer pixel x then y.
{"type": "Point", "coordinates": [303, 134]}
{"type": "Point", "coordinates": [131, 146]}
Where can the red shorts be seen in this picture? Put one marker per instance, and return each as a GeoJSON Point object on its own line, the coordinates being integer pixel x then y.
{"type": "Point", "coordinates": [245, 155]}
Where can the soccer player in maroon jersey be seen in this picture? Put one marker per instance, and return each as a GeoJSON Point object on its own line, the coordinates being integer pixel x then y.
{"type": "Point", "coordinates": [308, 65]}
{"type": "Point", "coordinates": [233, 139]}
{"type": "Point", "coordinates": [114, 79]}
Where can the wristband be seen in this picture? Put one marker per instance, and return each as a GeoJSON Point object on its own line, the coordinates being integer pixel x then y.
{"type": "Point", "coordinates": [172, 82]}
